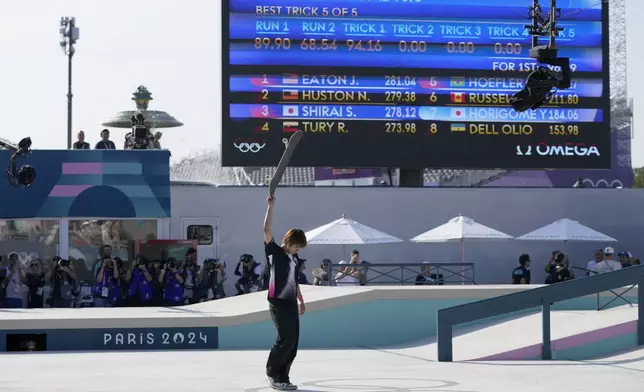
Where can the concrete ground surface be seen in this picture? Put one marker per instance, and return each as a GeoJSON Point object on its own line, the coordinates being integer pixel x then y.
{"type": "Point", "coordinates": [363, 370]}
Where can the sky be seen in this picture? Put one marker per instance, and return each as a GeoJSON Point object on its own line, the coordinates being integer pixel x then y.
{"type": "Point", "coordinates": [171, 46]}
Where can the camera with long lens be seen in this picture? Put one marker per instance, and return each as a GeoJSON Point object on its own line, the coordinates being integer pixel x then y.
{"type": "Point", "coordinates": [140, 137]}
{"type": "Point", "coordinates": [213, 264]}
{"type": "Point", "coordinates": [26, 174]}
{"type": "Point", "coordinates": [172, 264]}
{"type": "Point", "coordinates": [63, 263]}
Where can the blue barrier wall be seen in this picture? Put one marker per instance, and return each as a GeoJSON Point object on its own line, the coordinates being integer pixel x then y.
{"type": "Point", "coordinates": [91, 183]}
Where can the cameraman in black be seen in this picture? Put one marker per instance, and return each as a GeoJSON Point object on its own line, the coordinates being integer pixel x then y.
{"type": "Point", "coordinates": [249, 273]}
{"type": "Point", "coordinates": [107, 289]}
{"type": "Point", "coordinates": [209, 280]}
{"type": "Point", "coordinates": [558, 271]}
{"type": "Point", "coordinates": [140, 286]}
{"type": "Point", "coordinates": [171, 278]}
{"type": "Point", "coordinates": [190, 273]}
{"type": "Point", "coordinates": [62, 279]}
{"type": "Point", "coordinates": [35, 281]}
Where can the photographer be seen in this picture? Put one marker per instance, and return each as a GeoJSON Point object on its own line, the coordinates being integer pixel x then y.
{"type": "Point", "coordinates": [558, 271]}
{"type": "Point", "coordinates": [141, 289]}
{"type": "Point", "coordinates": [35, 281]}
{"type": "Point", "coordinates": [249, 274]}
{"type": "Point", "coordinates": [12, 284]}
{"type": "Point", "coordinates": [62, 280]}
{"type": "Point", "coordinates": [171, 279]}
{"type": "Point", "coordinates": [208, 281]}
{"type": "Point", "coordinates": [107, 289]}
{"type": "Point", "coordinates": [190, 272]}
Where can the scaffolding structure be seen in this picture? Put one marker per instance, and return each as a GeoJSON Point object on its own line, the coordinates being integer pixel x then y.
{"type": "Point", "coordinates": [621, 104]}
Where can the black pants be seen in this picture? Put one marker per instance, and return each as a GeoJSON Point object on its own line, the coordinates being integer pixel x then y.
{"type": "Point", "coordinates": [287, 322]}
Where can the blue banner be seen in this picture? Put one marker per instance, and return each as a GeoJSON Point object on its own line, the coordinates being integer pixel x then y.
{"type": "Point", "coordinates": [116, 339]}
{"type": "Point", "coordinates": [379, 84]}
{"type": "Point", "coordinates": [413, 113]}
{"type": "Point", "coordinates": [436, 57]}
{"type": "Point", "coordinates": [245, 26]}
{"type": "Point", "coordinates": [458, 9]}
{"type": "Point", "coordinates": [91, 183]}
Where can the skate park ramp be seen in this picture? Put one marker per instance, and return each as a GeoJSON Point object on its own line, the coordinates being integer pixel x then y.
{"type": "Point", "coordinates": [337, 318]}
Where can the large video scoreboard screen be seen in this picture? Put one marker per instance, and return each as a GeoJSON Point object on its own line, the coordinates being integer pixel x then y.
{"type": "Point", "coordinates": [409, 83]}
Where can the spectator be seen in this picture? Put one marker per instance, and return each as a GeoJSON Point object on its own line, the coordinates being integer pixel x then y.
{"type": "Point", "coordinates": [171, 279]}
{"type": "Point", "coordinates": [141, 289]}
{"type": "Point", "coordinates": [424, 277]}
{"type": "Point", "coordinates": [358, 273]}
{"type": "Point", "coordinates": [190, 271]}
{"type": "Point", "coordinates": [80, 143]}
{"type": "Point", "coordinates": [3, 287]}
{"type": "Point", "coordinates": [35, 281]}
{"type": "Point", "coordinates": [248, 271]}
{"type": "Point", "coordinates": [208, 280]}
{"type": "Point", "coordinates": [522, 274]}
{"type": "Point", "coordinates": [156, 142]}
{"type": "Point", "coordinates": [105, 143]}
{"type": "Point", "coordinates": [592, 264]}
{"type": "Point", "coordinates": [346, 276]}
{"type": "Point", "coordinates": [13, 284]}
{"type": "Point", "coordinates": [107, 289]}
{"type": "Point", "coordinates": [321, 274]}
{"type": "Point", "coordinates": [104, 252]}
{"type": "Point", "coordinates": [62, 279]}
{"type": "Point", "coordinates": [551, 262]}
{"type": "Point", "coordinates": [157, 287]}
{"type": "Point", "coordinates": [627, 259]}
{"type": "Point", "coordinates": [608, 264]}
{"type": "Point", "coordinates": [558, 271]}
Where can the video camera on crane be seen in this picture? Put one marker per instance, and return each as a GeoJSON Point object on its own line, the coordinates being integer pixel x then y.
{"type": "Point", "coordinates": [26, 174]}
{"type": "Point", "coordinates": [542, 83]}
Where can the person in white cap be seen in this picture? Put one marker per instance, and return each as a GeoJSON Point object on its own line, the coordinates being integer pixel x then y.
{"type": "Point", "coordinates": [608, 264]}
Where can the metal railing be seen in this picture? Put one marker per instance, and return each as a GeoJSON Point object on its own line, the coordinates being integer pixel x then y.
{"type": "Point", "coordinates": [543, 296]}
{"type": "Point", "coordinates": [401, 273]}
{"type": "Point", "coordinates": [617, 295]}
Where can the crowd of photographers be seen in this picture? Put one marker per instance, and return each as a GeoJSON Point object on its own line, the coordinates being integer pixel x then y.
{"type": "Point", "coordinates": [144, 282]}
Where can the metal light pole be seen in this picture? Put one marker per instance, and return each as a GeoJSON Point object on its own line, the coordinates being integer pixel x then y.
{"type": "Point", "coordinates": [69, 35]}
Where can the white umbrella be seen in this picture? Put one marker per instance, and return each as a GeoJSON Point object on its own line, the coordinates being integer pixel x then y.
{"type": "Point", "coordinates": [347, 231]}
{"type": "Point", "coordinates": [566, 230]}
{"type": "Point", "coordinates": [460, 229]}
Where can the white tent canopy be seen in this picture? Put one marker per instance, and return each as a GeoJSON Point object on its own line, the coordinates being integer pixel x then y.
{"type": "Point", "coordinates": [459, 229]}
{"type": "Point", "coordinates": [566, 230]}
{"type": "Point", "coordinates": [346, 231]}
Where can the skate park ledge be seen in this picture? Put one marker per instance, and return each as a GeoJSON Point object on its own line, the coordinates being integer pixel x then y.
{"type": "Point", "coordinates": [336, 318]}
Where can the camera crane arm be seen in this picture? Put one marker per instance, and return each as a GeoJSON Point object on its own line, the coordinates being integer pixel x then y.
{"type": "Point", "coordinates": [24, 176]}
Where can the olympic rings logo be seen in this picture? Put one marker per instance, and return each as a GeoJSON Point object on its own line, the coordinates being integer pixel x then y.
{"type": "Point", "coordinates": [246, 145]}
{"type": "Point", "coordinates": [602, 183]}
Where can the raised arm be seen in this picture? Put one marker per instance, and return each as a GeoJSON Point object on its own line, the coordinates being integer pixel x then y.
{"type": "Point", "coordinates": [268, 220]}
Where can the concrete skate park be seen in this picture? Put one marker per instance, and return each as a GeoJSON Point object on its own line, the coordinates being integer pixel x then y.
{"type": "Point", "coordinates": [340, 318]}
{"type": "Point", "coordinates": [378, 339]}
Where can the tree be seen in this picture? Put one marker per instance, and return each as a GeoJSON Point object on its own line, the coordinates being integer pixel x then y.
{"type": "Point", "coordinates": [638, 177]}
